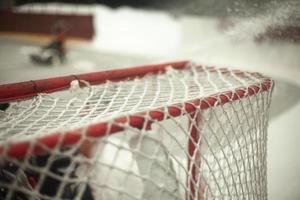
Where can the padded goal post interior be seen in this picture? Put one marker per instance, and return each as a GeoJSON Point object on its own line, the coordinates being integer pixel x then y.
{"type": "Point", "coordinates": [169, 131]}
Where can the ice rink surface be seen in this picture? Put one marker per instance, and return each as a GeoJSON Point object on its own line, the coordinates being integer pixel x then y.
{"type": "Point", "coordinates": [199, 40]}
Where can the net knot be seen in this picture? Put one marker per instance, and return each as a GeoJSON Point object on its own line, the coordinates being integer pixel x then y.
{"type": "Point", "coordinates": [77, 87]}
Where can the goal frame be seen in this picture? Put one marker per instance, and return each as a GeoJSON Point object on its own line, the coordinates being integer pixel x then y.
{"type": "Point", "coordinates": [29, 89]}
{"type": "Point", "coordinates": [25, 90]}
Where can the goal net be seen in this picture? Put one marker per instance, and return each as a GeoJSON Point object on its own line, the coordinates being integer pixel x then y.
{"type": "Point", "coordinates": [170, 131]}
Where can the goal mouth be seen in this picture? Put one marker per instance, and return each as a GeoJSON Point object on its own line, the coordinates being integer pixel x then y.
{"type": "Point", "coordinates": [17, 92]}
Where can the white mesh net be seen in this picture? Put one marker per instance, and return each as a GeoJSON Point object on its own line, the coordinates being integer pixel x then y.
{"type": "Point", "coordinates": [196, 133]}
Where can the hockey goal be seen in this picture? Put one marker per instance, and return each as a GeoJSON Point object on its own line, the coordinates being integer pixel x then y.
{"type": "Point", "coordinates": [169, 131]}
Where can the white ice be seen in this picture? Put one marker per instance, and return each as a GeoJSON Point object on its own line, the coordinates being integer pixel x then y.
{"type": "Point", "coordinates": [115, 175]}
{"type": "Point", "coordinates": [155, 164]}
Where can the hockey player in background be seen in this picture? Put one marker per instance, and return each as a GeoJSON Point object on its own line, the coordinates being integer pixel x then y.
{"type": "Point", "coordinates": [55, 51]}
{"type": "Point", "coordinates": [58, 42]}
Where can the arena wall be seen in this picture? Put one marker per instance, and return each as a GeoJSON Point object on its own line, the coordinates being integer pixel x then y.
{"type": "Point", "coordinates": [79, 26]}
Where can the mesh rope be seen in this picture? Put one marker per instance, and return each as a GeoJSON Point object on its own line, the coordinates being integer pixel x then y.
{"type": "Point", "coordinates": [218, 152]}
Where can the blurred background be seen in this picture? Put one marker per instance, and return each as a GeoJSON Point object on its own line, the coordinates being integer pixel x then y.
{"type": "Point", "coordinates": [41, 39]}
